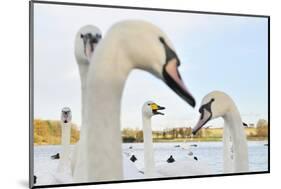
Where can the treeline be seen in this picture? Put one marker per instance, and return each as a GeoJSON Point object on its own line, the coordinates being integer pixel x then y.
{"type": "Point", "coordinates": [260, 131]}
{"type": "Point", "coordinates": [49, 132]}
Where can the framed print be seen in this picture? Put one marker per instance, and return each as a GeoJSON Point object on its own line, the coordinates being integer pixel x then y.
{"type": "Point", "coordinates": [127, 94]}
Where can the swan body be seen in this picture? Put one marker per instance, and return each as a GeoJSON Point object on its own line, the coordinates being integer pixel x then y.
{"type": "Point", "coordinates": [127, 45]}
{"type": "Point", "coordinates": [218, 104]}
{"type": "Point", "coordinates": [173, 167]}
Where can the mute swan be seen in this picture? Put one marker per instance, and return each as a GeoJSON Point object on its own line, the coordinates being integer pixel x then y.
{"type": "Point", "coordinates": [126, 46]}
{"type": "Point", "coordinates": [87, 39]}
{"type": "Point", "coordinates": [173, 167]}
{"type": "Point", "coordinates": [218, 104]}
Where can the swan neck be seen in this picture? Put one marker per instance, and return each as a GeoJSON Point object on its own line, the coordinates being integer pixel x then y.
{"type": "Point", "coordinates": [227, 151]}
{"type": "Point", "coordinates": [65, 135]}
{"type": "Point", "coordinates": [237, 137]}
{"type": "Point", "coordinates": [101, 129]}
{"type": "Point", "coordinates": [83, 69]}
{"type": "Point", "coordinates": [65, 142]}
{"type": "Point", "coordinates": [149, 166]}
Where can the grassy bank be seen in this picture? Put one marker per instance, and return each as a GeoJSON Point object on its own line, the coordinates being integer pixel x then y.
{"type": "Point", "coordinates": [48, 132]}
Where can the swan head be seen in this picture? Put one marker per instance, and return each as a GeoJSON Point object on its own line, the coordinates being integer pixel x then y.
{"type": "Point", "coordinates": [215, 104]}
{"type": "Point", "coordinates": [150, 109]}
{"type": "Point", "coordinates": [154, 53]}
{"type": "Point", "coordinates": [171, 75]}
{"type": "Point", "coordinates": [86, 41]}
{"type": "Point", "coordinates": [173, 79]}
{"type": "Point", "coordinates": [66, 115]}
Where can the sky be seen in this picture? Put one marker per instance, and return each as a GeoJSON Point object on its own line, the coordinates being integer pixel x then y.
{"type": "Point", "coordinates": [226, 53]}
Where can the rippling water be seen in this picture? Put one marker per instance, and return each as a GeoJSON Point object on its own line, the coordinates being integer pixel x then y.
{"type": "Point", "coordinates": [210, 152]}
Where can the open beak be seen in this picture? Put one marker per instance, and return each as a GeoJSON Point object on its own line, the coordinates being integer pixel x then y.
{"type": "Point", "coordinates": [204, 118]}
{"type": "Point", "coordinates": [174, 81]}
{"type": "Point", "coordinates": [155, 109]}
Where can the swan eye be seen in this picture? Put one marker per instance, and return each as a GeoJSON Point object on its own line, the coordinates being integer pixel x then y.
{"type": "Point", "coordinates": [200, 109]}
{"type": "Point", "coordinates": [148, 104]}
{"type": "Point", "coordinates": [98, 36]}
{"type": "Point", "coordinates": [206, 107]}
{"type": "Point", "coordinates": [202, 113]}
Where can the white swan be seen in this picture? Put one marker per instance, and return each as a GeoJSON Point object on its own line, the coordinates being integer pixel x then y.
{"type": "Point", "coordinates": [218, 104]}
{"type": "Point", "coordinates": [175, 167]}
{"type": "Point", "coordinates": [58, 171]}
{"type": "Point", "coordinates": [127, 45]}
{"type": "Point", "coordinates": [86, 40]}
{"type": "Point", "coordinates": [149, 109]}
{"type": "Point", "coordinates": [66, 117]}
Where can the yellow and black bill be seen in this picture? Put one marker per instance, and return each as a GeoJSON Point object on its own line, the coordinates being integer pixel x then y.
{"type": "Point", "coordinates": [155, 107]}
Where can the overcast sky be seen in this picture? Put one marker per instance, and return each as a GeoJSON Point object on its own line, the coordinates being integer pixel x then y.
{"type": "Point", "coordinates": [217, 52]}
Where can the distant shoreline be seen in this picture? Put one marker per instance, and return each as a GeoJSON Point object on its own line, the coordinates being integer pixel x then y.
{"type": "Point", "coordinates": [190, 140]}
{"type": "Point", "coordinates": [48, 132]}
{"type": "Point", "coordinates": [206, 139]}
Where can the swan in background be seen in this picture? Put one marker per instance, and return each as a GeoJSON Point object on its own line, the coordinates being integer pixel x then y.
{"type": "Point", "coordinates": [218, 104]}
{"type": "Point", "coordinates": [86, 40]}
{"type": "Point", "coordinates": [60, 173]}
{"type": "Point", "coordinates": [127, 45]}
{"type": "Point", "coordinates": [66, 117]}
{"type": "Point", "coordinates": [149, 109]}
{"type": "Point", "coordinates": [172, 167]}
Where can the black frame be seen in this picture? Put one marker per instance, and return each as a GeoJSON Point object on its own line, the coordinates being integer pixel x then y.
{"type": "Point", "coordinates": [31, 88]}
